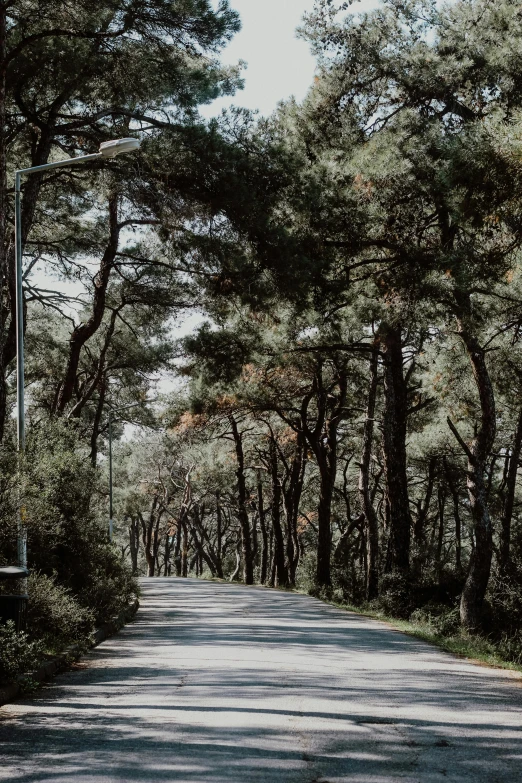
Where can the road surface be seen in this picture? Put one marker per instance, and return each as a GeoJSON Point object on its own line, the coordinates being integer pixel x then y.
{"type": "Point", "coordinates": [218, 683]}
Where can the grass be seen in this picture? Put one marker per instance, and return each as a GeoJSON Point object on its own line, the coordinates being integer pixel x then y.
{"type": "Point", "coordinates": [474, 647]}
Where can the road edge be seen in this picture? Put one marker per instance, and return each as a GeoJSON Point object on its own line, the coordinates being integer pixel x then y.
{"type": "Point", "coordinates": [399, 626]}
{"type": "Point", "coordinates": [54, 666]}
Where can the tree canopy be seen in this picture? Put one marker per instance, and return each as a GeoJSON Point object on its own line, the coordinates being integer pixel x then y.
{"type": "Point", "coordinates": [346, 416]}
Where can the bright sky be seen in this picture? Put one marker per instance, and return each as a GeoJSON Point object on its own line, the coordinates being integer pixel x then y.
{"type": "Point", "coordinates": [279, 64]}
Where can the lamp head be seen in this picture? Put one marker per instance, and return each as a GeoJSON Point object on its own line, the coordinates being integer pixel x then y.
{"type": "Point", "coordinates": [109, 149]}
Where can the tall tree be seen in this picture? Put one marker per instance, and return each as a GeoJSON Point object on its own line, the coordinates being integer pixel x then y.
{"type": "Point", "coordinates": [70, 78]}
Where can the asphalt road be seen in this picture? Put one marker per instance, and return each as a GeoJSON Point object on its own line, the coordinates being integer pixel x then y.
{"type": "Point", "coordinates": [216, 682]}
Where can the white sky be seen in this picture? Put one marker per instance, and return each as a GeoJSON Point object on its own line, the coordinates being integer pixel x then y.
{"type": "Point", "coordinates": [279, 64]}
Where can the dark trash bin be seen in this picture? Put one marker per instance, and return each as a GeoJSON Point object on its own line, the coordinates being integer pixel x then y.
{"type": "Point", "coordinates": [13, 607]}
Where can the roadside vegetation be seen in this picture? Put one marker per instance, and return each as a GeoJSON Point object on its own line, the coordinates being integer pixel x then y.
{"type": "Point", "coordinates": [347, 415]}
{"type": "Point", "coordinates": [103, 275]}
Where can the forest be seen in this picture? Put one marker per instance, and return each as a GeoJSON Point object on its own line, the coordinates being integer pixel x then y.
{"type": "Point", "coordinates": [306, 328]}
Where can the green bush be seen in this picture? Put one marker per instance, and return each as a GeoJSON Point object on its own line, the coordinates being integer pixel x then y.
{"type": "Point", "coordinates": [8, 498]}
{"type": "Point", "coordinates": [18, 654]}
{"type": "Point", "coordinates": [396, 595]}
{"type": "Point", "coordinates": [110, 586]}
{"type": "Point", "coordinates": [510, 647]}
{"type": "Point", "coordinates": [439, 618]}
{"type": "Point", "coordinates": [67, 538]}
{"type": "Point", "coordinates": [54, 614]}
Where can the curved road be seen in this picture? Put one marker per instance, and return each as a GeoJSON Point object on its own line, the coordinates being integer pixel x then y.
{"type": "Point", "coordinates": [218, 683]}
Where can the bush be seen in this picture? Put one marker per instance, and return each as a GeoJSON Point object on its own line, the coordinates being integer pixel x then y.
{"type": "Point", "coordinates": [505, 596]}
{"type": "Point", "coordinates": [439, 618]}
{"type": "Point", "coordinates": [66, 539]}
{"type": "Point", "coordinates": [110, 586]}
{"type": "Point", "coordinates": [54, 615]}
{"type": "Point", "coordinates": [396, 596]}
{"type": "Point", "coordinates": [8, 498]}
{"type": "Point", "coordinates": [18, 654]}
{"type": "Point", "coordinates": [510, 647]}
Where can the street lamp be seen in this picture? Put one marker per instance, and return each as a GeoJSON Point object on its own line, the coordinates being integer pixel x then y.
{"type": "Point", "coordinates": [108, 149]}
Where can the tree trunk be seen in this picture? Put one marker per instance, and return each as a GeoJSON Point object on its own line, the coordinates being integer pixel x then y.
{"type": "Point", "coordinates": [441, 499]}
{"type": "Point", "coordinates": [292, 499]}
{"type": "Point", "coordinates": [324, 525]}
{"type": "Point", "coordinates": [246, 541]}
{"type": "Point", "coordinates": [219, 542]}
{"type": "Point", "coordinates": [478, 452]}
{"type": "Point", "coordinates": [264, 533]}
{"type": "Point", "coordinates": [156, 541]}
{"type": "Point", "coordinates": [280, 575]}
{"type": "Point", "coordinates": [177, 550]}
{"type": "Point", "coordinates": [422, 513]}
{"type": "Point", "coordinates": [237, 569]}
{"type": "Point", "coordinates": [209, 556]}
{"type": "Point", "coordinates": [96, 423]}
{"type": "Point", "coordinates": [394, 450]}
{"type": "Point", "coordinates": [372, 523]}
{"type": "Point", "coordinates": [134, 543]}
{"type": "Point", "coordinates": [453, 488]}
{"type": "Point", "coordinates": [85, 331]}
{"type": "Point", "coordinates": [255, 542]}
{"type": "Point", "coordinates": [166, 554]}
{"type": "Point", "coordinates": [509, 500]}
{"type": "Point", "coordinates": [323, 442]}
{"type": "Point", "coordinates": [147, 536]}
{"type": "Point", "coordinates": [184, 549]}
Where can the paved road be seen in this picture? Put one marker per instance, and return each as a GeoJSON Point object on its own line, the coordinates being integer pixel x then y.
{"type": "Point", "coordinates": [218, 683]}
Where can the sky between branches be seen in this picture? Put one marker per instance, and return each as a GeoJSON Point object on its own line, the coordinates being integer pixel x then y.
{"type": "Point", "coordinates": [279, 64]}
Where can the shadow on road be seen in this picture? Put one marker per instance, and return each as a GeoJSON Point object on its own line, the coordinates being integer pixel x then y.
{"type": "Point", "coordinates": [217, 683]}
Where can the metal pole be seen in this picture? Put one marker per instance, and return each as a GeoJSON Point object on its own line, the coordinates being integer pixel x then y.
{"type": "Point", "coordinates": [111, 524]}
{"type": "Point", "coordinates": [59, 163]}
{"type": "Point", "coordinates": [20, 390]}
{"type": "Point", "coordinates": [111, 517]}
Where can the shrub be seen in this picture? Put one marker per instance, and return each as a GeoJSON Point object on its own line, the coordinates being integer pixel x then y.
{"type": "Point", "coordinates": [397, 595]}
{"type": "Point", "coordinates": [54, 614]}
{"type": "Point", "coordinates": [439, 618]}
{"type": "Point", "coordinates": [505, 595]}
{"type": "Point", "coordinates": [110, 586]}
{"type": "Point", "coordinates": [66, 539]}
{"type": "Point", "coordinates": [510, 647]}
{"type": "Point", "coordinates": [18, 654]}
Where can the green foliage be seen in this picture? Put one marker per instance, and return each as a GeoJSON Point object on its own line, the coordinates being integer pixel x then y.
{"type": "Point", "coordinates": [439, 618]}
{"type": "Point", "coordinates": [67, 539]}
{"type": "Point", "coordinates": [108, 585]}
{"type": "Point", "coordinates": [59, 484]}
{"type": "Point", "coordinates": [54, 615]}
{"type": "Point", "coordinates": [396, 596]}
{"type": "Point", "coordinates": [505, 599]}
{"type": "Point", "coordinates": [17, 653]}
{"type": "Point", "coordinates": [222, 354]}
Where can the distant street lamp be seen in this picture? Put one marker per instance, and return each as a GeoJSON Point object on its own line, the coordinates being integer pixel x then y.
{"type": "Point", "coordinates": [109, 149]}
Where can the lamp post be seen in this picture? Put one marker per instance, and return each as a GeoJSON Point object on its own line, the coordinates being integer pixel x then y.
{"type": "Point", "coordinates": [111, 412]}
{"type": "Point", "coordinates": [109, 149]}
